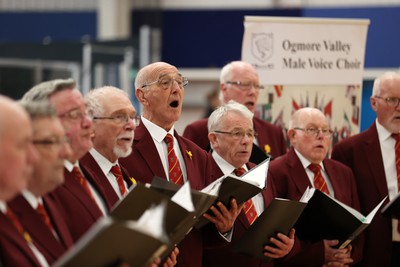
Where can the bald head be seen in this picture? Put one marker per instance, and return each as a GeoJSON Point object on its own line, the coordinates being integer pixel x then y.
{"type": "Point", "coordinates": [17, 153]}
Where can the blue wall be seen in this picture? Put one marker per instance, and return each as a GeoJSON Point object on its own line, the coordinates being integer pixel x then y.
{"type": "Point", "coordinates": [34, 26]}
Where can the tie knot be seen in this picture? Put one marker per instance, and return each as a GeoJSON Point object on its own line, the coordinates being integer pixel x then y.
{"type": "Point", "coordinates": [169, 139]}
{"type": "Point", "coordinates": [116, 170]}
{"type": "Point", "coordinates": [239, 171]}
{"type": "Point", "coordinates": [76, 171]}
{"type": "Point", "coordinates": [40, 208]}
{"type": "Point", "coordinates": [395, 136]}
{"type": "Point", "coordinates": [315, 168]}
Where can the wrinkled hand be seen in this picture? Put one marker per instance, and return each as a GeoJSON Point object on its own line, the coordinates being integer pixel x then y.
{"type": "Point", "coordinates": [171, 261]}
{"type": "Point", "coordinates": [337, 257]}
{"type": "Point", "coordinates": [283, 244]}
{"type": "Point", "coordinates": [224, 218]}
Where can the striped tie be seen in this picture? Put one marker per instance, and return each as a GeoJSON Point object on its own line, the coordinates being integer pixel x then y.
{"type": "Point", "coordinates": [116, 170]}
{"type": "Point", "coordinates": [10, 214]}
{"type": "Point", "coordinates": [249, 209]}
{"type": "Point", "coordinates": [319, 181]}
{"type": "Point", "coordinates": [175, 172]}
{"type": "Point", "coordinates": [45, 217]}
{"type": "Point", "coordinates": [397, 153]}
{"type": "Point", "coordinates": [82, 181]}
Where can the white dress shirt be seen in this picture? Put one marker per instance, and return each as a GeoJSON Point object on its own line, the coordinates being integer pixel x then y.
{"type": "Point", "coordinates": [105, 166]}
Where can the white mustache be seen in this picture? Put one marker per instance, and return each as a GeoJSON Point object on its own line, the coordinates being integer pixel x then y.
{"type": "Point", "coordinates": [126, 135]}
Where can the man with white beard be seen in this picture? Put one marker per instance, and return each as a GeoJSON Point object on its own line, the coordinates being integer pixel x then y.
{"type": "Point", "coordinates": [114, 122]}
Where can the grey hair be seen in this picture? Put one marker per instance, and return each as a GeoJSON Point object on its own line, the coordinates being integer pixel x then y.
{"type": "Point", "coordinates": [232, 106]}
{"type": "Point", "coordinates": [44, 90]}
{"type": "Point", "coordinates": [38, 109]}
{"type": "Point", "coordinates": [226, 71]}
{"type": "Point", "coordinates": [93, 99]}
{"type": "Point", "coordinates": [376, 89]}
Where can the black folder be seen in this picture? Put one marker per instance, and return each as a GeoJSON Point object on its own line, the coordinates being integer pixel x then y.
{"type": "Point", "coordinates": [110, 242]}
{"type": "Point", "coordinates": [392, 209]}
{"type": "Point", "coordinates": [279, 217]}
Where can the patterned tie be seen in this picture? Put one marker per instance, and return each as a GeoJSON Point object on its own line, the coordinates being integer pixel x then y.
{"type": "Point", "coordinates": [249, 209]}
{"type": "Point", "coordinates": [45, 217]}
{"type": "Point", "coordinates": [116, 170]}
{"type": "Point", "coordinates": [10, 214]}
{"type": "Point", "coordinates": [397, 153]}
{"type": "Point", "coordinates": [319, 181]}
{"type": "Point", "coordinates": [175, 172]}
{"type": "Point", "coordinates": [82, 181]}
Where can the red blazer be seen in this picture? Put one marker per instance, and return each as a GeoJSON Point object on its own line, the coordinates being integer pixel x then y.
{"type": "Point", "coordinates": [144, 163]}
{"type": "Point", "coordinates": [78, 209]}
{"type": "Point", "coordinates": [14, 251]}
{"type": "Point", "coordinates": [290, 180]}
{"type": "Point", "coordinates": [268, 135]}
{"type": "Point", "coordinates": [109, 191]}
{"type": "Point", "coordinates": [224, 256]}
{"type": "Point", "coordinates": [44, 240]}
{"type": "Point", "coordinates": [362, 153]}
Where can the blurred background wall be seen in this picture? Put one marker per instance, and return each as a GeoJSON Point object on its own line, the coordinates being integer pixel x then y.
{"type": "Point", "coordinates": [101, 42]}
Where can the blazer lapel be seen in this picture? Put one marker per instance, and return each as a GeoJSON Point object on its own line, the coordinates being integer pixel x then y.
{"type": "Point", "coordinates": [296, 172]}
{"type": "Point", "coordinates": [109, 194]}
{"type": "Point", "coordinates": [145, 147]}
{"type": "Point", "coordinates": [9, 232]}
{"type": "Point", "coordinates": [58, 223]}
{"type": "Point", "coordinates": [34, 225]}
{"type": "Point", "coordinates": [81, 195]}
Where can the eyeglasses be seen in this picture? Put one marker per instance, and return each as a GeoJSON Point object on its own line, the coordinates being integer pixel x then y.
{"type": "Point", "coordinates": [239, 134]}
{"type": "Point", "coordinates": [74, 114]}
{"type": "Point", "coordinates": [391, 101]}
{"type": "Point", "coordinates": [166, 82]}
{"type": "Point", "coordinates": [312, 131]}
{"type": "Point", "coordinates": [246, 86]}
{"type": "Point", "coordinates": [121, 119]}
{"type": "Point", "coordinates": [52, 143]}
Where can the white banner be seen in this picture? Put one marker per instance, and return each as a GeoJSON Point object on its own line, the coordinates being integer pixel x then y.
{"type": "Point", "coordinates": [295, 51]}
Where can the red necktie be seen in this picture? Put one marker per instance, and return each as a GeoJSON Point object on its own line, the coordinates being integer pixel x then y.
{"type": "Point", "coordinates": [82, 181]}
{"type": "Point", "coordinates": [45, 216]}
{"type": "Point", "coordinates": [319, 181]}
{"type": "Point", "coordinates": [10, 214]}
{"type": "Point", "coordinates": [175, 172]}
{"type": "Point", "coordinates": [249, 209]}
{"type": "Point", "coordinates": [397, 152]}
{"type": "Point", "coordinates": [116, 170]}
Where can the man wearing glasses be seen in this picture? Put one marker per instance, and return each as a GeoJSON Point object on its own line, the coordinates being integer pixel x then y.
{"type": "Point", "coordinates": [159, 151]}
{"type": "Point", "coordinates": [373, 155]}
{"type": "Point", "coordinates": [239, 81]}
{"type": "Point", "coordinates": [81, 197]}
{"type": "Point", "coordinates": [38, 213]}
{"type": "Point", "coordinates": [305, 165]}
{"type": "Point", "coordinates": [231, 136]}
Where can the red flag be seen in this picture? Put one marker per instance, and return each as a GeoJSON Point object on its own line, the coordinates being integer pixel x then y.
{"type": "Point", "coordinates": [278, 90]}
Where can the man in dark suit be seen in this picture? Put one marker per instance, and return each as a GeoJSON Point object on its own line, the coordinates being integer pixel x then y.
{"type": "Point", "coordinates": [81, 196]}
{"type": "Point", "coordinates": [239, 81]}
{"type": "Point", "coordinates": [160, 90]}
{"type": "Point", "coordinates": [38, 214]}
{"type": "Point", "coordinates": [291, 174]}
{"type": "Point", "coordinates": [231, 135]}
{"type": "Point", "coordinates": [372, 157]}
{"type": "Point", "coordinates": [17, 156]}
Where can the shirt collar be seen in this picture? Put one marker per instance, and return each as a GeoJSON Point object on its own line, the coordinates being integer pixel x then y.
{"type": "Point", "coordinates": [305, 162]}
{"type": "Point", "coordinates": [3, 206]}
{"type": "Point", "coordinates": [383, 134]}
{"type": "Point", "coordinates": [104, 164]}
{"type": "Point", "coordinates": [69, 166]}
{"type": "Point", "coordinates": [32, 200]}
{"type": "Point", "coordinates": [225, 166]}
{"type": "Point", "coordinates": [156, 132]}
